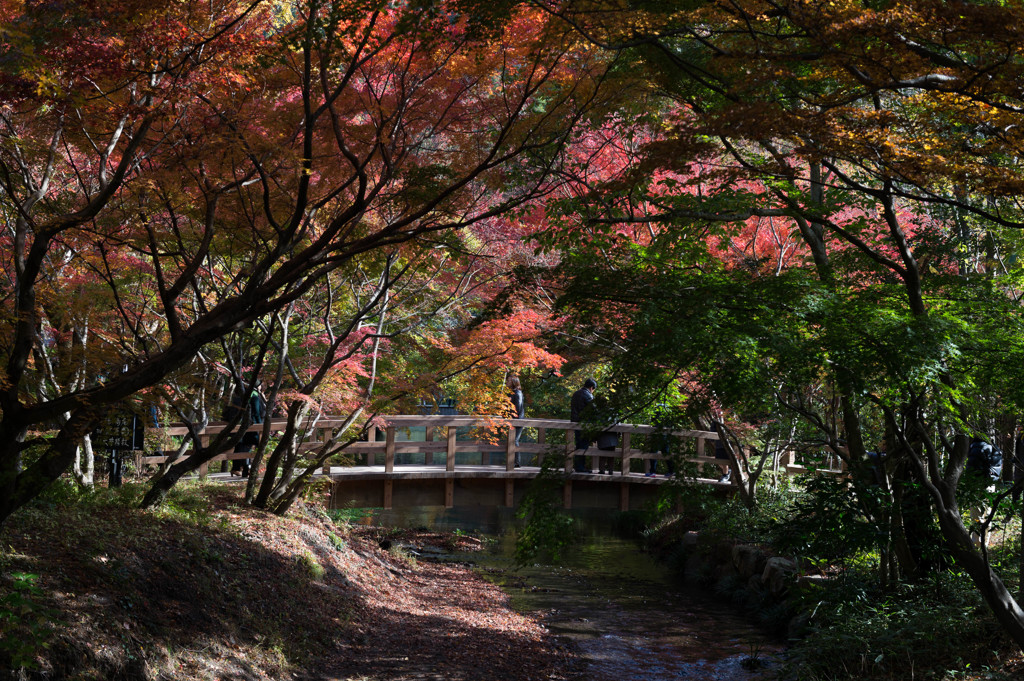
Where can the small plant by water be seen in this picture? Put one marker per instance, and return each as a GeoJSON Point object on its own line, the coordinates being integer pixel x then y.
{"type": "Point", "coordinates": [402, 555]}
{"type": "Point", "coordinates": [753, 659]}
{"type": "Point", "coordinates": [547, 529]}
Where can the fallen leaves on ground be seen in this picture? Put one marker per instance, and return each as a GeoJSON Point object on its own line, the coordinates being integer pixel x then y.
{"type": "Point", "coordinates": [231, 592]}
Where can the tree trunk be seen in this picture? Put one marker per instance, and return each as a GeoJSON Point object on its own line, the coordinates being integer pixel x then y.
{"type": "Point", "coordinates": [85, 464]}
{"type": "Point", "coordinates": [1020, 567]}
{"type": "Point", "coordinates": [18, 484]}
{"type": "Point", "coordinates": [163, 483]}
{"type": "Point", "coordinates": [999, 599]}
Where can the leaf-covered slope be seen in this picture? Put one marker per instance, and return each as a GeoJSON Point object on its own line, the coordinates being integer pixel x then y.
{"type": "Point", "coordinates": [217, 590]}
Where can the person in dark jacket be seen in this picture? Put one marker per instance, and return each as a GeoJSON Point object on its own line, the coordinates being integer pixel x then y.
{"type": "Point", "coordinates": [518, 406]}
{"type": "Point", "coordinates": [257, 413]}
{"type": "Point", "coordinates": [984, 461]}
{"type": "Point", "coordinates": [579, 408]}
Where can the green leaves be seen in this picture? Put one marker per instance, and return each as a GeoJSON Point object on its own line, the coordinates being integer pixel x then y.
{"type": "Point", "coordinates": [25, 624]}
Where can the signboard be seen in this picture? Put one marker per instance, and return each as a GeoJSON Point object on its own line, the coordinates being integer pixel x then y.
{"type": "Point", "coordinates": [122, 431]}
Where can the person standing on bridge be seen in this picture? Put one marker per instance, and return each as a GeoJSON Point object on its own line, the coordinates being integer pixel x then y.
{"type": "Point", "coordinates": [579, 407]}
{"type": "Point", "coordinates": [257, 406]}
{"type": "Point", "coordinates": [518, 406]}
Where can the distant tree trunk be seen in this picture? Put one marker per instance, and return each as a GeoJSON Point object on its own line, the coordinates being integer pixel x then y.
{"type": "Point", "coordinates": [1020, 567]}
{"type": "Point", "coordinates": [166, 479]}
{"type": "Point", "coordinates": [85, 464]}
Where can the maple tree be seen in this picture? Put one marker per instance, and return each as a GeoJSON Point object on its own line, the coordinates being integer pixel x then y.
{"type": "Point", "coordinates": [885, 136]}
{"type": "Point", "coordinates": [205, 165]}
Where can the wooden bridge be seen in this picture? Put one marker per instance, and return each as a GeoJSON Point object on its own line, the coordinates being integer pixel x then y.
{"type": "Point", "coordinates": [470, 461]}
{"type": "Point", "coordinates": [443, 470]}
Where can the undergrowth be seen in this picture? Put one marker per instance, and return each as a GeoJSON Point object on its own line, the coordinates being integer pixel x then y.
{"type": "Point", "coordinates": [853, 627]}
{"type": "Point", "coordinates": [930, 630]}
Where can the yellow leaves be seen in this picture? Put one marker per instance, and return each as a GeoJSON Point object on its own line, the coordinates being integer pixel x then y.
{"type": "Point", "coordinates": [47, 85]}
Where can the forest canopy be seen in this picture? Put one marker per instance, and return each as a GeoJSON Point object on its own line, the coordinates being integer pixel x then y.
{"type": "Point", "coordinates": [800, 219]}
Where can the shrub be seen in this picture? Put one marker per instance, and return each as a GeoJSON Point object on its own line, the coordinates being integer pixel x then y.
{"type": "Point", "coordinates": [25, 624]}
{"type": "Point", "coordinates": [860, 630]}
{"type": "Point", "coordinates": [548, 530]}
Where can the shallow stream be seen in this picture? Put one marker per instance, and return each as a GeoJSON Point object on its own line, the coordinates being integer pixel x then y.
{"type": "Point", "coordinates": [627, 616]}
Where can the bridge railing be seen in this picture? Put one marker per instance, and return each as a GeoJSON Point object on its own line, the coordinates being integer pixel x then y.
{"type": "Point", "coordinates": [441, 439]}
{"type": "Point", "coordinates": [322, 431]}
{"type": "Point", "coordinates": [554, 437]}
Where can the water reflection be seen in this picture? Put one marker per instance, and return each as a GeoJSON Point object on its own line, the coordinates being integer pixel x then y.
{"type": "Point", "coordinates": [628, 617]}
{"type": "Point", "coordinates": [625, 613]}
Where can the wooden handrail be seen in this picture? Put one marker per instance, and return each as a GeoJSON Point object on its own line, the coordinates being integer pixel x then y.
{"type": "Point", "coordinates": [322, 431]}
{"type": "Point", "coordinates": [404, 421]}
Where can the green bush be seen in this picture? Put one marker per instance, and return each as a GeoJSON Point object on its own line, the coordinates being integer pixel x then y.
{"type": "Point", "coordinates": [860, 630]}
{"type": "Point", "coordinates": [26, 626]}
{"type": "Point", "coordinates": [548, 530]}
{"type": "Point", "coordinates": [822, 520]}
{"type": "Point", "coordinates": [731, 520]}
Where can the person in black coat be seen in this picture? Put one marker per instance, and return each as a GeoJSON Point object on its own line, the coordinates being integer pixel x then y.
{"type": "Point", "coordinates": [257, 413]}
{"type": "Point", "coordinates": [984, 459]}
{"type": "Point", "coordinates": [518, 406]}
{"type": "Point", "coordinates": [984, 462]}
{"type": "Point", "coordinates": [579, 408]}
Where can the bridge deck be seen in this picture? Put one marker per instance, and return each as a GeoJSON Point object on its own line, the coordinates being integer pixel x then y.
{"type": "Point", "coordinates": [438, 472]}
{"type": "Point", "coordinates": [487, 485]}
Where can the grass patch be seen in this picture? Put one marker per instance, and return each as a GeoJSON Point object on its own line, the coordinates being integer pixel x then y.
{"type": "Point", "coordinates": [310, 565]}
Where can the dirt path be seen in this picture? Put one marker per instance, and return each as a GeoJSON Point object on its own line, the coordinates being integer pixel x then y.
{"type": "Point", "coordinates": [443, 622]}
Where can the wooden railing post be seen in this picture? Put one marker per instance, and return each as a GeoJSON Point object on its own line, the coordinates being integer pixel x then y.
{"type": "Point", "coordinates": [428, 436]}
{"type": "Point", "coordinates": [510, 448]}
{"type": "Point", "coordinates": [389, 450]}
{"type": "Point", "coordinates": [510, 453]}
{"type": "Point", "coordinates": [324, 435]}
{"type": "Point", "coordinates": [371, 436]}
{"type": "Point", "coordinates": [570, 447]}
{"type": "Point", "coordinates": [542, 438]}
{"type": "Point", "coordinates": [389, 464]}
{"type": "Point", "coordinates": [449, 464]}
{"type": "Point", "coordinates": [625, 452]}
